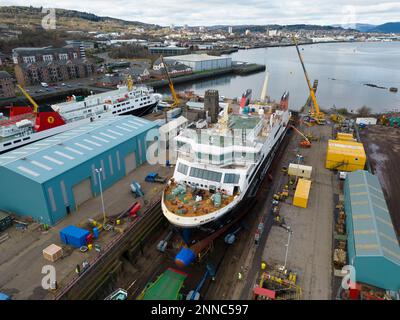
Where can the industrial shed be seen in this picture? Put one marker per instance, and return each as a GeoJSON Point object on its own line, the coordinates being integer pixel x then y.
{"type": "Point", "coordinates": [202, 62]}
{"type": "Point", "coordinates": [373, 248]}
{"type": "Point", "coordinates": [48, 179]}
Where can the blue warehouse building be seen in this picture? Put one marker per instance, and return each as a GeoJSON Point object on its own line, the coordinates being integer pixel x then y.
{"type": "Point", "coordinates": [48, 179]}
{"type": "Point", "coordinates": [372, 245]}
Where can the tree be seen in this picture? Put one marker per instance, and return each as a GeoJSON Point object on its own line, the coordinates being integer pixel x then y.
{"type": "Point", "coordinates": [364, 111]}
{"type": "Point", "coordinates": [343, 111]}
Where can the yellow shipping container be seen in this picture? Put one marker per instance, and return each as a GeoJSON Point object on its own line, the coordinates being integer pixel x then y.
{"type": "Point", "coordinates": [345, 155]}
{"type": "Point", "coordinates": [345, 136]}
{"type": "Point", "coordinates": [302, 193]}
{"type": "Point", "coordinates": [299, 170]}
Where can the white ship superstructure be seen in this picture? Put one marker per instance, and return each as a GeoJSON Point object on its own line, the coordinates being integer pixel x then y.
{"type": "Point", "coordinates": [217, 166]}
{"type": "Point", "coordinates": [138, 101]}
{"type": "Point", "coordinates": [19, 130]}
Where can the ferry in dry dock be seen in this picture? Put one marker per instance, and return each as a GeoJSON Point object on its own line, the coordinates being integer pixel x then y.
{"type": "Point", "coordinates": [222, 165]}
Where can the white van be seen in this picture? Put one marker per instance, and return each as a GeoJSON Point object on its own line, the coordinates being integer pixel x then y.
{"type": "Point", "coordinates": [44, 84]}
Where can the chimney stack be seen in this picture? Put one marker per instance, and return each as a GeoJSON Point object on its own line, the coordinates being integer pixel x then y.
{"type": "Point", "coordinates": [211, 104]}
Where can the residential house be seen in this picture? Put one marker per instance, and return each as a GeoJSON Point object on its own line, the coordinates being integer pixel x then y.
{"type": "Point", "coordinates": [7, 86]}
{"type": "Point", "coordinates": [175, 68]}
{"type": "Point", "coordinates": [48, 64]}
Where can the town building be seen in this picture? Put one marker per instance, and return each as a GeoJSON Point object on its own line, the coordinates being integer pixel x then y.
{"type": "Point", "coordinates": [168, 51]}
{"type": "Point", "coordinates": [35, 65]}
{"type": "Point", "coordinates": [82, 45]}
{"type": "Point", "coordinates": [2, 59]}
{"type": "Point", "coordinates": [49, 179]}
{"type": "Point", "coordinates": [7, 85]}
{"type": "Point", "coordinates": [174, 68]}
{"type": "Point", "coordinates": [202, 62]}
{"type": "Point", "coordinates": [110, 80]}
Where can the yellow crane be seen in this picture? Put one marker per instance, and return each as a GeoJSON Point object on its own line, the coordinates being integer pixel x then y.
{"type": "Point", "coordinates": [33, 102]}
{"type": "Point", "coordinates": [316, 113]}
{"type": "Point", "coordinates": [171, 85]}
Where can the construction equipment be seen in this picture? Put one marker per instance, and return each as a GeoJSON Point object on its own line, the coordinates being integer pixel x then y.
{"type": "Point", "coordinates": [162, 245]}
{"type": "Point", "coordinates": [129, 83]}
{"type": "Point", "coordinates": [27, 95]}
{"type": "Point", "coordinates": [195, 294]}
{"type": "Point", "coordinates": [306, 143]}
{"type": "Point", "coordinates": [136, 189]}
{"type": "Point", "coordinates": [171, 85]}
{"type": "Point", "coordinates": [277, 283]}
{"type": "Point", "coordinates": [337, 118]}
{"type": "Point", "coordinates": [154, 177]}
{"type": "Point", "coordinates": [308, 103]}
{"type": "Point", "coordinates": [316, 112]}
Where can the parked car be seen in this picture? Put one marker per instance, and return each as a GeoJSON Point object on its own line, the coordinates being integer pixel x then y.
{"type": "Point", "coordinates": [63, 84]}
{"type": "Point", "coordinates": [44, 84]}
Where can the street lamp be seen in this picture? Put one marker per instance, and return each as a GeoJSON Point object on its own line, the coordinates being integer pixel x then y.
{"type": "Point", "coordinates": [101, 195]}
{"type": "Point", "coordinates": [287, 248]}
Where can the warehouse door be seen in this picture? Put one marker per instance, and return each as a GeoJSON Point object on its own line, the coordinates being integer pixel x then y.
{"type": "Point", "coordinates": [82, 192]}
{"type": "Point", "coordinates": [130, 162]}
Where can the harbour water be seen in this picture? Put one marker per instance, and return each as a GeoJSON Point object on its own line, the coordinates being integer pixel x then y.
{"type": "Point", "coordinates": [342, 69]}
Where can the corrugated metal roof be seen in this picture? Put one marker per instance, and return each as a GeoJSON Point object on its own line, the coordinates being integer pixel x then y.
{"type": "Point", "coordinates": [346, 147]}
{"type": "Point", "coordinates": [45, 159]}
{"type": "Point", "coordinates": [373, 230]}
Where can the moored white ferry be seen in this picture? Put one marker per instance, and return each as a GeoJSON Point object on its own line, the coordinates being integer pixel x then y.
{"type": "Point", "coordinates": [223, 164]}
{"type": "Point", "coordinates": [24, 125]}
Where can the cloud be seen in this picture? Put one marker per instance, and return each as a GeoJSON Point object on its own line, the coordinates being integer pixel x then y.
{"type": "Point", "coordinates": [233, 12]}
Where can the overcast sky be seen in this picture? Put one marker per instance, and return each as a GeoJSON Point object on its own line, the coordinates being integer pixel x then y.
{"type": "Point", "coordinates": [233, 12]}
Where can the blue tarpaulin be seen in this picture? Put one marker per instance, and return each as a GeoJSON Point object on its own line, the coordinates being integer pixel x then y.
{"type": "Point", "coordinates": [74, 236]}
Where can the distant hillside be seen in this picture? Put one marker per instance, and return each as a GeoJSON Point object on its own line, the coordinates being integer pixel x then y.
{"type": "Point", "coordinates": [390, 27]}
{"type": "Point", "coordinates": [258, 28]}
{"type": "Point", "coordinates": [66, 19]}
{"type": "Point", "coordinates": [362, 27]}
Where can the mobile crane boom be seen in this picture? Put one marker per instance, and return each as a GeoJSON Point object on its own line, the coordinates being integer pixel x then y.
{"type": "Point", "coordinates": [171, 85]}
{"type": "Point", "coordinates": [33, 102]}
{"type": "Point", "coordinates": [318, 114]}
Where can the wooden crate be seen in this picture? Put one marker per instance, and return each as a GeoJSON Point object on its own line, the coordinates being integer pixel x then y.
{"type": "Point", "coordinates": [52, 253]}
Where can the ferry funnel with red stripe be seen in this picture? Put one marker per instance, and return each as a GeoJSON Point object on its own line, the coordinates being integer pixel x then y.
{"type": "Point", "coordinates": [245, 98]}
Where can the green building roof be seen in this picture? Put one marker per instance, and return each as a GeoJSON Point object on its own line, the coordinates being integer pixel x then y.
{"type": "Point", "coordinates": [372, 227]}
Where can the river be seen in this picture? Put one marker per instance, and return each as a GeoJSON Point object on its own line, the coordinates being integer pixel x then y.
{"type": "Point", "coordinates": [341, 68]}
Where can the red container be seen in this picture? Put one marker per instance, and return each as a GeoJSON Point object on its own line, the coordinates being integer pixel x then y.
{"type": "Point", "coordinates": [89, 238]}
{"type": "Point", "coordinates": [134, 210]}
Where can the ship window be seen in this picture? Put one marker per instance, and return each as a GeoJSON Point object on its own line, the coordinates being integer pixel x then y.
{"type": "Point", "coordinates": [114, 112]}
{"type": "Point", "coordinates": [16, 141]}
{"type": "Point", "coordinates": [231, 178]}
{"type": "Point", "coordinates": [183, 168]}
{"type": "Point", "coordinates": [24, 139]}
{"type": "Point", "coordinates": [7, 144]}
{"type": "Point", "coordinates": [205, 174]}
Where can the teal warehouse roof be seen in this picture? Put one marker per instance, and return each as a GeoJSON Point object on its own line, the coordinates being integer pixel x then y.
{"type": "Point", "coordinates": [45, 159]}
{"type": "Point", "coordinates": [374, 234]}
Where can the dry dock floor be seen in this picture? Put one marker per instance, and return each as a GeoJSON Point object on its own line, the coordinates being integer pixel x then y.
{"type": "Point", "coordinates": [21, 258]}
{"type": "Point", "coordinates": [310, 250]}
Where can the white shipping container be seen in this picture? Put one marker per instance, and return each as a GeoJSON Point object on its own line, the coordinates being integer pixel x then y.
{"type": "Point", "coordinates": [366, 121]}
{"type": "Point", "coordinates": [300, 170]}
